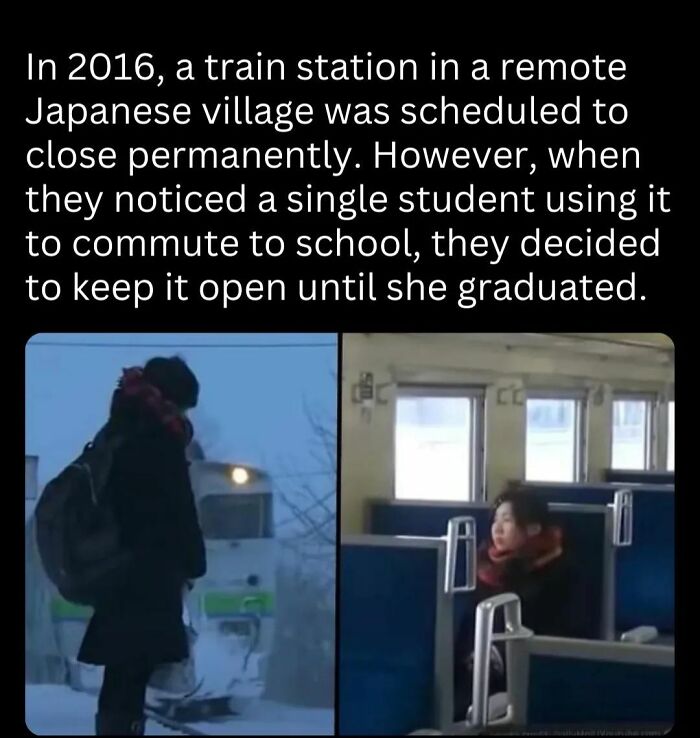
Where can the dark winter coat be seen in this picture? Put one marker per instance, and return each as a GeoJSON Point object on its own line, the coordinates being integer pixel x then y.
{"type": "Point", "coordinates": [552, 603]}
{"type": "Point", "coordinates": [150, 490]}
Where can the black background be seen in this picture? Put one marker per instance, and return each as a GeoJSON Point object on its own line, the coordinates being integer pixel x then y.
{"type": "Point", "coordinates": [659, 92]}
{"type": "Point", "coordinates": [656, 114]}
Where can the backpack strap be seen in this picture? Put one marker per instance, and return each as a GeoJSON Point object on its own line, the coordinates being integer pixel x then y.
{"type": "Point", "coordinates": [108, 438]}
{"type": "Point", "coordinates": [105, 444]}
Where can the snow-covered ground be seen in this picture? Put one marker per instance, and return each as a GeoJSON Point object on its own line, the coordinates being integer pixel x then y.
{"type": "Point", "coordinates": [59, 710]}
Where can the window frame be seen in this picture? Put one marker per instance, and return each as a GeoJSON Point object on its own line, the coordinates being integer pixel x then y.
{"type": "Point", "coordinates": [651, 429]}
{"type": "Point", "coordinates": [477, 450]}
{"type": "Point", "coordinates": [580, 396]}
{"type": "Point", "coordinates": [670, 425]}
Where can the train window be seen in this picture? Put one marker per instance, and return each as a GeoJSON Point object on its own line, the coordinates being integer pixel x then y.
{"type": "Point", "coordinates": [439, 443]}
{"type": "Point", "coordinates": [236, 516]}
{"type": "Point", "coordinates": [671, 449]}
{"type": "Point", "coordinates": [555, 437]}
{"type": "Point", "coordinates": [633, 432]}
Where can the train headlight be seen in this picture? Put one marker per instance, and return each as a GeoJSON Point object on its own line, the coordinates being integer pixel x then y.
{"type": "Point", "coordinates": [239, 475]}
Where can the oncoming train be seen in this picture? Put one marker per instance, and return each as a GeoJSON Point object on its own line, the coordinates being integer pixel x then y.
{"type": "Point", "coordinates": [231, 608]}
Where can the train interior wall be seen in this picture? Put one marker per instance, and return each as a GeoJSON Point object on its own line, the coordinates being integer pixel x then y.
{"type": "Point", "coordinates": [505, 364]}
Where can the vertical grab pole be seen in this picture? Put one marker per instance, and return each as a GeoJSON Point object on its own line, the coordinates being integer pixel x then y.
{"type": "Point", "coordinates": [454, 536]}
{"type": "Point", "coordinates": [484, 638]}
{"type": "Point", "coordinates": [482, 662]}
{"type": "Point", "coordinates": [622, 518]}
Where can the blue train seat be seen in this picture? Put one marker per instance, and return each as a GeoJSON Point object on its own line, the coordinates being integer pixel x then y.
{"type": "Point", "coordinates": [394, 641]}
{"type": "Point", "coordinates": [604, 684]}
{"type": "Point", "coordinates": [645, 571]}
{"type": "Point", "coordinates": [588, 538]}
{"type": "Point", "coordinates": [638, 476]}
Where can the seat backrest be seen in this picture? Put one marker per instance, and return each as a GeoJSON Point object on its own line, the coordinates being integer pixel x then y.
{"type": "Point", "coordinates": [392, 518]}
{"type": "Point", "coordinates": [586, 537]}
{"type": "Point", "coordinates": [645, 571]}
{"type": "Point", "coordinates": [594, 683]}
{"type": "Point", "coordinates": [393, 617]}
{"type": "Point", "coordinates": [638, 476]}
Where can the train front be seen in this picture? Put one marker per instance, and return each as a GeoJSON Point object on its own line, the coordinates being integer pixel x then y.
{"type": "Point", "coordinates": [232, 607]}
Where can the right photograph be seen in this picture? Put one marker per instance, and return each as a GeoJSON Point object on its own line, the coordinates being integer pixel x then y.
{"type": "Point", "coordinates": [507, 556]}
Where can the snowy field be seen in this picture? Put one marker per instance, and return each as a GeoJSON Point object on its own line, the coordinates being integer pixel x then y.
{"type": "Point", "coordinates": [58, 710]}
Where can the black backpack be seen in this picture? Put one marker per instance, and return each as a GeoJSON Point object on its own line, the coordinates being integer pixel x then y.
{"type": "Point", "coordinates": [77, 534]}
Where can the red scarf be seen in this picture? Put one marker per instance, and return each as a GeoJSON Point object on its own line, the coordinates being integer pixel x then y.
{"type": "Point", "coordinates": [132, 384]}
{"type": "Point", "coordinates": [537, 552]}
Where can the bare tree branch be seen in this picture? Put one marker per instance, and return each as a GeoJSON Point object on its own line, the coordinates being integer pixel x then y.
{"type": "Point", "coordinates": [313, 510]}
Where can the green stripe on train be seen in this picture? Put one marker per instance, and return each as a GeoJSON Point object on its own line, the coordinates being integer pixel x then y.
{"type": "Point", "coordinates": [235, 603]}
{"type": "Point", "coordinates": [63, 610]}
{"type": "Point", "coordinates": [214, 603]}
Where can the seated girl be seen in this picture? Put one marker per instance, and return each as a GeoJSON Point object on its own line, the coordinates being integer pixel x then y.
{"type": "Point", "coordinates": [526, 555]}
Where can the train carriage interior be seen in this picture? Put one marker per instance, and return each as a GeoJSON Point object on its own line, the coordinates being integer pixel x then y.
{"type": "Point", "coordinates": [434, 428]}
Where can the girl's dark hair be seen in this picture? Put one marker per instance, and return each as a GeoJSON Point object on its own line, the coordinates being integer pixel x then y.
{"type": "Point", "coordinates": [528, 507]}
{"type": "Point", "coordinates": [174, 379]}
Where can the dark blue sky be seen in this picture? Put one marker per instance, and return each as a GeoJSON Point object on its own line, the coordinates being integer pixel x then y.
{"type": "Point", "coordinates": [251, 406]}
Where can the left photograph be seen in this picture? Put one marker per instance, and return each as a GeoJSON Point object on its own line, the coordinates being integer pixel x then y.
{"type": "Point", "coordinates": [180, 533]}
